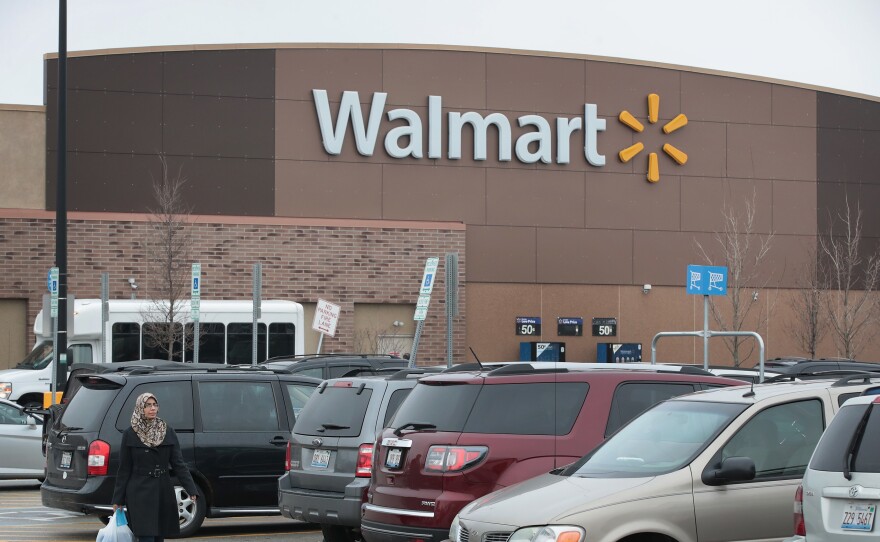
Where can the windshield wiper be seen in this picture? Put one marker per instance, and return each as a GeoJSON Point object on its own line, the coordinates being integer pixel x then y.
{"type": "Point", "coordinates": [851, 449]}
{"type": "Point", "coordinates": [416, 426]}
{"type": "Point", "coordinates": [325, 426]}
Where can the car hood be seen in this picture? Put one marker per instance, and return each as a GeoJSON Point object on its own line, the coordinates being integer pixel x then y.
{"type": "Point", "coordinates": [560, 496]}
{"type": "Point", "coordinates": [11, 375]}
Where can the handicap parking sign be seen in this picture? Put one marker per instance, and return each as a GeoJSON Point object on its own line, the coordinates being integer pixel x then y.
{"type": "Point", "coordinates": [706, 280]}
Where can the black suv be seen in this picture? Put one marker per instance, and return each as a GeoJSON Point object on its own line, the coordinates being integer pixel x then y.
{"type": "Point", "coordinates": [233, 423]}
{"type": "Point", "coordinates": [326, 366]}
{"type": "Point", "coordinates": [331, 451]}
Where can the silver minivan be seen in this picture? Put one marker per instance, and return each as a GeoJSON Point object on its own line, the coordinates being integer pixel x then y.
{"type": "Point", "coordinates": [713, 466]}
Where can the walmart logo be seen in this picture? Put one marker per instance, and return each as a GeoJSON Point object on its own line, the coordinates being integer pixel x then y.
{"type": "Point", "coordinates": [629, 153]}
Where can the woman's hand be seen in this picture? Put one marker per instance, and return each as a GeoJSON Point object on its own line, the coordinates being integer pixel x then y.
{"type": "Point", "coordinates": [115, 506]}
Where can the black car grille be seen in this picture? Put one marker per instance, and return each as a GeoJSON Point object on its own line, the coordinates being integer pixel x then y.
{"type": "Point", "coordinates": [465, 536]}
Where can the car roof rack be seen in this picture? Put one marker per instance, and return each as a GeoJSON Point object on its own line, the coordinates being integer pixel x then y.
{"type": "Point", "coordinates": [523, 368]}
{"type": "Point", "coordinates": [305, 357]}
{"type": "Point", "coordinates": [865, 378]}
{"type": "Point", "coordinates": [818, 375]}
{"type": "Point", "coordinates": [404, 374]}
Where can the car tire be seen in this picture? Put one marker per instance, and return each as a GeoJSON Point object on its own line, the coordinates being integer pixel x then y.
{"type": "Point", "coordinates": [191, 514]}
{"type": "Point", "coordinates": [338, 533]}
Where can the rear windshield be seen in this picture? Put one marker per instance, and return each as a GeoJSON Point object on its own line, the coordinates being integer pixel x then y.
{"type": "Point", "coordinates": [335, 412]}
{"type": "Point", "coordinates": [86, 410]}
{"type": "Point", "coordinates": [512, 409]}
{"type": "Point", "coordinates": [841, 436]}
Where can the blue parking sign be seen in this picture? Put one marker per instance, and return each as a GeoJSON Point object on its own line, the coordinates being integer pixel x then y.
{"type": "Point", "coordinates": [706, 280]}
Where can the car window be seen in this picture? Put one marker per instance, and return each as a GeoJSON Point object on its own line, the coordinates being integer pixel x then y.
{"type": "Point", "coordinates": [663, 439]}
{"type": "Point", "coordinates": [866, 457]}
{"type": "Point", "coordinates": [339, 370]}
{"type": "Point", "coordinates": [846, 396]}
{"type": "Point", "coordinates": [633, 398]}
{"type": "Point", "coordinates": [9, 415]}
{"type": "Point", "coordinates": [446, 407]}
{"type": "Point", "coordinates": [212, 342]}
{"type": "Point", "coordinates": [237, 406]}
{"type": "Point", "coordinates": [336, 411]}
{"type": "Point", "coordinates": [79, 353]}
{"type": "Point", "coordinates": [527, 409]}
{"type": "Point", "coordinates": [779, 439]}
{"type": "Point", "coordinates": [394, 402]}
{"type": "Point", "coordinates": [832, 452]}
{"type": "Point", "coordinates": [87, 408]}
{"type": "Point", "coordinates": [298, 395]}
{"type": "Point", "coordinates": [316, 371]}
{"type": "Point", "coordinates": [175, 404]}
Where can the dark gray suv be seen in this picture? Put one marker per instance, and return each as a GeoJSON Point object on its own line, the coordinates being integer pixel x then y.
{"type": "Point", "coordinates": [330, 453]}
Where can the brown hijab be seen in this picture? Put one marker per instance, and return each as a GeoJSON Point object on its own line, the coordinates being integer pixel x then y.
{"type": "Point", "coordinates": [151, 432]}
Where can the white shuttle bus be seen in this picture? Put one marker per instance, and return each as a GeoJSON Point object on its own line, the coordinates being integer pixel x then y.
{"type": "Point", "coordinates": [225, 328]}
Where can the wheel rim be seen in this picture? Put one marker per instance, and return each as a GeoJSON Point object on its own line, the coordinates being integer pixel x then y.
{"type": "Point", "coordinates": [186, 507]}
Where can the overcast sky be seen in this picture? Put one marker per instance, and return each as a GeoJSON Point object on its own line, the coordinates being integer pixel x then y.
{"type": "Point", "coordinates": [828, 43]}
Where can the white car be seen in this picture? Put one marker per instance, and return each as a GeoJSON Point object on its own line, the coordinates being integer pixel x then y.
{"type": "Point", "coordinates": [21, 440]}
{"type": "Point", "coordinates": [840, 492]}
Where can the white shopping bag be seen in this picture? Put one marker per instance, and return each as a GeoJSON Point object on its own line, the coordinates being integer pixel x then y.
{"type": "Point", "coordinates": [116, 530]}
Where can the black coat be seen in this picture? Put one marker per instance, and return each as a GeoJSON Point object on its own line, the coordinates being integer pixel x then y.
{"type": "Point", "coordinates": [151, 502]}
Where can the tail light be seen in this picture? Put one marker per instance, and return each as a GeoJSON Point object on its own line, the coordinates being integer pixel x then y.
{"type": "Point", "coordinates": [800, 528]}
{"type": "Point", "coordinates": [99, 458]}
{"type": "Point", "coordinates": [365, 461]}
{"type": "Point", "coordinates": [453, 458]}
{"type": "Point", "coordinates": [287, 457]}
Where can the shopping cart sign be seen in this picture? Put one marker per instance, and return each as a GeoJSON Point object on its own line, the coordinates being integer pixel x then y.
{"type": "Point", "coordinates": [706, 280]}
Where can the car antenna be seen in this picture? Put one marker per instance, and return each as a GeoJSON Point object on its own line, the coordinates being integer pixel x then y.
{"type": "Point", "coordinates": [751, 392]}
{"type": "Point", "coordinates": [475, 357]}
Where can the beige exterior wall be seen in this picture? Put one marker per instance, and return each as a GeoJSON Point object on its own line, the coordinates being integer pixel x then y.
{"type": "Point", "coordinates": [13, 332]}
{"type": "Point", "coordinates": [22, 157]}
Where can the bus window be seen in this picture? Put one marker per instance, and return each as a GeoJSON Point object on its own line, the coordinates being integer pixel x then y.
{"type": "Point", "coordinates": [211, 345]}
{"type": "Point", "coordinates": [239, 344]}
{"type": "Point", "coordinates": [156, 338]}
{"type": "Point", "coordinates": [282, 340]}
{"type": "Point", "coordinates": [126, 341]}
{"type": "Point", "coordinates": [79, 353]}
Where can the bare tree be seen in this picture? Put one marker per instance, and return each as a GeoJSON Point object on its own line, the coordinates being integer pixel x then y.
{"type": "Point", "coordinates": [169, 250]}
{"type": "Point", "coordinates": [809, 323]}
{"type": "Point", "coordinates": [375, 340]}
{"type": "Point", "coordinates": [852, 280]}
{"type": "Point", "coordinates": [743, 252]}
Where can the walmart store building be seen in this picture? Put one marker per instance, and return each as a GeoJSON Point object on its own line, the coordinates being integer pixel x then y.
{"type": "Point", "coordinates": [561, 185]}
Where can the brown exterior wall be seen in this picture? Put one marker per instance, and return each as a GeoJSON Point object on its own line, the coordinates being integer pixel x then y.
{"type": "Point", "coordinates": [22, 157]}
{"type": "Point", "coordinates": [343, 262]}
{"type": "Point", "coordinates": [579, 240]}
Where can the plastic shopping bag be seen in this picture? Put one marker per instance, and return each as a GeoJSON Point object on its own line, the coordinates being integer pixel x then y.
{"type": "Point", "coordinates": [116, 530]}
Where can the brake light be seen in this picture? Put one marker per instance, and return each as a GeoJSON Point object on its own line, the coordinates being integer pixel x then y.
{"type": "Point", "coordinates": [453, 458]}
{"type": "Point", "coordinates": [800, 528]}
{"type": "Point", "coordinates": [365, 461]}
{"type": "Point", "coordinates": [99, 458]}
{"type": "Point", "coordinates": [342, 384]}
{"type": "Point", "coordinates": [287, 457]}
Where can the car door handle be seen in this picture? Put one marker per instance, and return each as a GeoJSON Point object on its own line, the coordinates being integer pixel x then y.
{"type": "Point", "coordinates": [279, 441]}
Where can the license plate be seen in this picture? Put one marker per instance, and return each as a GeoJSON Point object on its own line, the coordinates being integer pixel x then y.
{"type": "Point", "coordinates": [320, 459]}
{"type": "Point", "coordinates": [66, 457]}
{"type": "Point", "coordinates": [858, 517]}
{"type": "Point", "coordinates": [392, 461]}
{"type": "Point", "coordinates": [396, 442]}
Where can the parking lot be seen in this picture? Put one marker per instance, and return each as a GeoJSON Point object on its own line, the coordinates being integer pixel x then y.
{"type": "Point", "coordinates": [23, 518]}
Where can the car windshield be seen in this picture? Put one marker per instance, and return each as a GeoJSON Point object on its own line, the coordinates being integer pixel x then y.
{"type": "Point", "coordinates": [661, 440]}
{"type": "Point", "coordinates": [39, 357]}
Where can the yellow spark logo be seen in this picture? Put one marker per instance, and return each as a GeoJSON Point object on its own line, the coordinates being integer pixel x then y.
{"type": "Point", "coordinates": [629, 153]}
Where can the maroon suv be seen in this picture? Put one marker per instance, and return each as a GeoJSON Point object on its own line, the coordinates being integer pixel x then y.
{"type": "Point", "coordinates": [459, 436]}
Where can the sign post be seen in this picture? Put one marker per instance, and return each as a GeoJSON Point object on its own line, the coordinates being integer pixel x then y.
{"type": "Point", "coordinates": [706, 280]}
{"type": "Point", "coordinates": [53, 303]}
{"type": "Point", "coordinates": [427, 284]}
{"type": "Point", "coordinates": [326, 318]}
{"type": "Point", "coordinates": [195, 308]}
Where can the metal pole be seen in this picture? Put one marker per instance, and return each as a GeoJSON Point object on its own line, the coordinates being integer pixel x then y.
{"type": "Point", "coordinates": [753, 334]}
{"type": "Point", "coordinates": [258, 283]}
{"type": "Point", "coordinates": [61, 200]}
{"type": "Point", "coordinates": [706, 332]}
{"type": "Point", "coordinates": [415, 347]}
{"type": "Point", "coordinates": [320, 341]}
{"type": "Point", "coordinates": [105, 299]}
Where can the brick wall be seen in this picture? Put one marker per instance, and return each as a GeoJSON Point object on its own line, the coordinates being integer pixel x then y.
{"type": "Point", "coordinates": [344, 264]}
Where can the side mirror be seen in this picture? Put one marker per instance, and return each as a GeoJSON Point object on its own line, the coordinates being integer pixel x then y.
{"type": "Point", "coordinates": [732, 469]}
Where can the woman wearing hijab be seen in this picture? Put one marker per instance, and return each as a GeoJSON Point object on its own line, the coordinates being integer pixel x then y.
{"type": "Point", "coordinates": [143, 482]}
